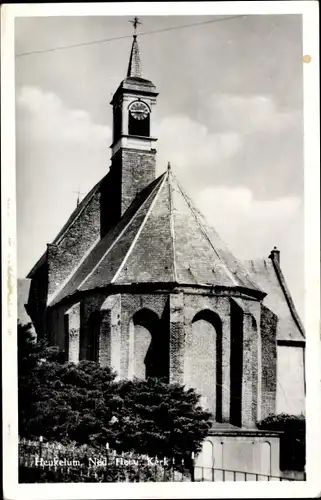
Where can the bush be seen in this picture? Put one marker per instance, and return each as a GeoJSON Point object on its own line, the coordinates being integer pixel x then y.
{"type": "Point", "coordinates": [82, 402]}
{"type": "Point", "coordinates": [292, 446]}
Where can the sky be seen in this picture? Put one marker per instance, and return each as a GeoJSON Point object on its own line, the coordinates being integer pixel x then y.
{"type": "Point", "coordinates": [229, 118]}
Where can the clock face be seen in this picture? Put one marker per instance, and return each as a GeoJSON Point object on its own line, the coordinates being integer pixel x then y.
{"type": "Point", "coordinates": [139, 110]}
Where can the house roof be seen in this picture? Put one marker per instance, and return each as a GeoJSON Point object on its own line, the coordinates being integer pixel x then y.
{"type": "Point", "coordinates": [162, 238]}
{"type": "Point", "coordinates": [268, 274]}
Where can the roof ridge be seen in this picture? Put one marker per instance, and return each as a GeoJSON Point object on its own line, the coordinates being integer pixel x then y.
{"type": "Point", "coordinates": [121, 233]}
{"type": "Point", "coordinates": [77, 212]}
{"type": "Point", "coordinates": [70, 221]}
{"type": "Point", "coordinates": [203, 229]}
{"type": "Point", "coordinates": [288, 297]}
{"type": "Point", "coordinates": [73, 272]}
{"type": "Point", "coordinates": [171, 221]}
{"type": "Point", "coordinates": [133, 243]}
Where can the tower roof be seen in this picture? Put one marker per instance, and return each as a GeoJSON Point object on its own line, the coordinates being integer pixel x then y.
{"type": "Point", "coordinates": [162, 238]}
{"type": "Point", "coordinates": [134, 66]}
{"type": "Point", "coordinates": [134, 82]}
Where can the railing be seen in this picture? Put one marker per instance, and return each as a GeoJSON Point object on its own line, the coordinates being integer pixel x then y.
{"type": "Point", "coordinates": [211, 474]}
{"type": "Point", "coordinates": [53, 462]}
{"type": "Point", "coordinates": [41, 462]}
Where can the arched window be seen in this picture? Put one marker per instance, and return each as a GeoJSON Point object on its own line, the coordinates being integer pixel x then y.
{"type": "Point", "coordinates": [150, 356]}
{"type": "Point", "coordinates": [203, 360]}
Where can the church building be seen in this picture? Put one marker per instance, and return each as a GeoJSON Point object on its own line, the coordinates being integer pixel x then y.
{"type": "Point", "coordinates": [138, 280]}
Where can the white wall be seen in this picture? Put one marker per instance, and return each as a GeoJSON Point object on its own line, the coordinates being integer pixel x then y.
{"type": "Point", "coordinates": [290, 392]}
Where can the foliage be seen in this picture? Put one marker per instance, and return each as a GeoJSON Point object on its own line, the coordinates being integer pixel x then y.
{"type": "Point", "coordinates": [104, 466]}
{"type": "Point", "coordinates": [83, 403]}
{"type": "Point", "coordinates": [292, 452]}
{"type": "Point", "coordinates": [160, 419]}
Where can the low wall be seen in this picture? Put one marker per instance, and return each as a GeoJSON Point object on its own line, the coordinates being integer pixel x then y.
{"type": "Point", "coordinates": [256, 452]}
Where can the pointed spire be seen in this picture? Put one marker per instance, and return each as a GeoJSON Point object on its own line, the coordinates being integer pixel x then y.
{"type": "Point", "coordinates": [134, 68]}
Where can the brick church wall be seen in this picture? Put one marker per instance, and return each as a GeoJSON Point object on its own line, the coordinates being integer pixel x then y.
{"type": "Point", "coordinates": [137, 171]}
{"type": "Point", "coordinates": [131, 304]}
{"type": "Point", "coordinates": [79, 238]}
{"type": "Point", "coordinates": [269, 356]}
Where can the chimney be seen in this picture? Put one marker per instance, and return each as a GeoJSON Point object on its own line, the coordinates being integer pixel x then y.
{"type": "Point", "coordinates": [275, 255]}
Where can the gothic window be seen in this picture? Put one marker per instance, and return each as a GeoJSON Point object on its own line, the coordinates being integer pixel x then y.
{"type": "Point", "coordinates": [204, 360]}
{"type": "Point", "coordinates": [150, 350]}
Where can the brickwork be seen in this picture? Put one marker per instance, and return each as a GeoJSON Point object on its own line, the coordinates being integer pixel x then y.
{"type": "Point", "coordinates": [89, 331]}
{"type": "Point", "coordinates": [130, 305]}
{"type": "Point", "coordinates": [177, 338]}
{"type": "Point", "coordinates": [64, 256]}
{"type": "Point", "coordinates": [269, 361]}
{"type": "Point", "coordinates": [195, 306]}
{"type": "Point", "coordinates": [249, 366]}
{"type": "Point", "coordinates": [110, 330]}
{"type": "Point", "coordinates": [137, 172]}
{"type": "Point", "coordinates": [72, 322]}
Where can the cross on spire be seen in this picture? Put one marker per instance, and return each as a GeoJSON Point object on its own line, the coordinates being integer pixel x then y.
{"type": "Point", "coordinates": [78, 196]}
{"type": "Point", "coordinates": [135, 22]}
{"type": "Point", "coordinates": [134, 67]}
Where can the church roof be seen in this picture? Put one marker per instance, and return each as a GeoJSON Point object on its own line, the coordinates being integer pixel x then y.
{"type": "Point", "coordinates": [73, 217]}
{"type": "Point", "coordinates": [268, 274]}
{"type": "Point", "coordinates": [162, 238]}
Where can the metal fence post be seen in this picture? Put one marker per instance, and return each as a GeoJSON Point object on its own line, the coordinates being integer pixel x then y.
{"type": "Point", "coordinates": [193, 468]}
{"type": "Point", "coordinates": [40, 446]}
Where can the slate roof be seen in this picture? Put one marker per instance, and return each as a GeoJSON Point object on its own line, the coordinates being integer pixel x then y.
{"type": "Point", "coordinates": [73, 217]}
{"type": "Point", "coordinates": [134, 66]}
{"type": "Point", "coordinates": [269, 275]}
{"type": "Point", "coordinates": [162, 238]}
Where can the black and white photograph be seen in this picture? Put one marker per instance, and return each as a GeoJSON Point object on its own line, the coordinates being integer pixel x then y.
{"type": "Point", "coordinates": [159, 319]}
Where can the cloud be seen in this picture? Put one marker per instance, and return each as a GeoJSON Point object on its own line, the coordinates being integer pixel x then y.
{"type": "Point", "coordinates": [191, 147]}
{"type": "Point", "coordinates": [252, 227]}
{"type": "Point", "coordinates": [247, 114]}
{"type": "Point", "coordinates": [52, 121]}
{"type": "Point", "coordinates": [59, 150]}
{"type": "Point", "coordinates": [241, 140]}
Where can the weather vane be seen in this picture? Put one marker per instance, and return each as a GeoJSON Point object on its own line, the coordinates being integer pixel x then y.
{"type": "Point", "coordinates": [135, 22]}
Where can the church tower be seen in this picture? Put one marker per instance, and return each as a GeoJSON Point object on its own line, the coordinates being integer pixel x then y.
{"type": "Point", "coordinates": [133, 159]}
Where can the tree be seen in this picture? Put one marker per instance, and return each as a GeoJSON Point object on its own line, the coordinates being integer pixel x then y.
{"type": "Point", "coordinates": [159, 418]}
{"type": "Point", "coordinates": [292, 445]}
{"type": "Point", "coordinates": [83, 403]}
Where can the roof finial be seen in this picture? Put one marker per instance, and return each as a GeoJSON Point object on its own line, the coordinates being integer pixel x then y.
{"type": "Point", "coordinates": [169, 166]}
{"type": "Point", "coordinates": [134, 69]}
{"type": "Point", "coordinates": [135, 22]}
{"type": "Point", "coordinates": [78, 195]}
{"type": "Point", "coordinates": [275, 255]}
